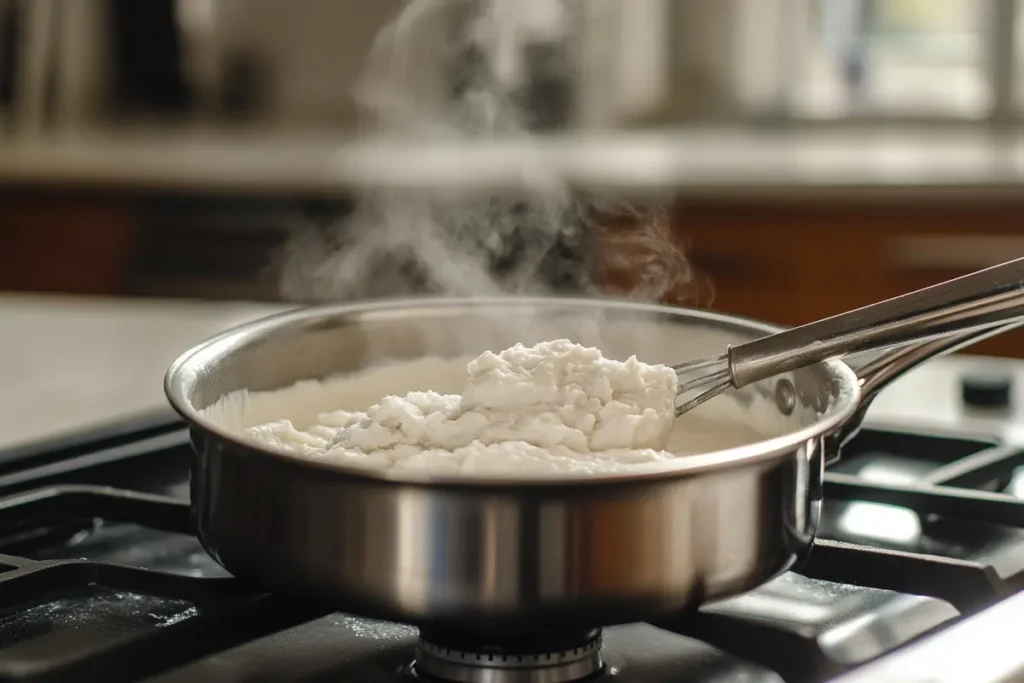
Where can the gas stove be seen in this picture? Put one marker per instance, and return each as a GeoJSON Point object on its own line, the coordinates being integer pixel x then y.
{"type": "Point", "coordinates": [916, 575]}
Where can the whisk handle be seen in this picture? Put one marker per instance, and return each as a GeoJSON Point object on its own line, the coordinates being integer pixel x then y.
{"type": "Point", "coordinates": [982, 299]}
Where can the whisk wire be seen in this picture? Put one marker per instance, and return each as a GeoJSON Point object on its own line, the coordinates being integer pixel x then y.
{"type": "Point", "coordinates": [700, 364]}
{"type": "Point", "coordinates": [702, 397]}
{"type": "Point", "coordinates": [708, 381]}
{"type": "Point", "coordinates": [703, 381]}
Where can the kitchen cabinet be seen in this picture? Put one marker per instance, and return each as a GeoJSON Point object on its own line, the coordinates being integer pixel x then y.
{"type": "Point", "coordinates": [787, 261]}
{"type": "Point", "coordinates": [793, 262]}
{"type": "Point", "coordinates": [63, 242]}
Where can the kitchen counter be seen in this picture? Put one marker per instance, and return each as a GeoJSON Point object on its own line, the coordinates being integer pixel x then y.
{"type": "Point", "coordinates": [937, 163]}
{"type": "Point", "coordinates": [71, 362]}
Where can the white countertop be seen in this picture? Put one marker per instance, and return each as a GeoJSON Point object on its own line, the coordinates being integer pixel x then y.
{"type": "Point", "coordinates": [687, 161]}
{"type": "Point", "coordinates": [71, 362]}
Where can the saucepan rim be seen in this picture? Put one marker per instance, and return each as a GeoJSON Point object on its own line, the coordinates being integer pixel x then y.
{"type": "Point", "coordinates": [182, 376]}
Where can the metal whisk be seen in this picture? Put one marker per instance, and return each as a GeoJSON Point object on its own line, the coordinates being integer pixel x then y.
{"type": "Point", "coordinates": [985, 298]}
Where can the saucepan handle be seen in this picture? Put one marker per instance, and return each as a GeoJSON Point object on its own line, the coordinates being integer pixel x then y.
{"type": "Point", "coordinates": [985, 299]}
{"type": "Point", "coordinates": [877, 371]}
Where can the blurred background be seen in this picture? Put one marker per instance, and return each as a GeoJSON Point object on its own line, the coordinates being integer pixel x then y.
{"type": "Point", "coordinates": [169, 148]}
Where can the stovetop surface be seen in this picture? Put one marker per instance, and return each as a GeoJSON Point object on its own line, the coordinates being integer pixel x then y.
{"type": "Point", "coordinates": [100, 576]}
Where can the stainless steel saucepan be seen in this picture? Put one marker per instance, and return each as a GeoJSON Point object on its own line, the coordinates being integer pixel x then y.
{"type": "Point", "coordinates": [513, 555]}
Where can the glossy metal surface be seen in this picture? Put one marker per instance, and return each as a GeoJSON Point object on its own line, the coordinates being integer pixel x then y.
{"type": "Point", "coordinates": [987, 298]}
{"type": "Point", "coordinates": [990, 637]}
{"type": "Point", "coordinates": [850, 625]}
{"type": "Point", "coordinates": [501, 555]}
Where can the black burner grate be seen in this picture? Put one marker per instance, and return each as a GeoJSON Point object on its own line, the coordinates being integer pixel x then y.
{"type": "Point", "coordinates": [200, 614]}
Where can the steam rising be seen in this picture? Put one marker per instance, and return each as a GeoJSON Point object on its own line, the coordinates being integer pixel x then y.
{"type": "Point", "coordinates": [536, 242]}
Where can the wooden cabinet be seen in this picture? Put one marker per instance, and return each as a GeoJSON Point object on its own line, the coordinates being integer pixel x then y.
{"type": "Point", "coordinates": [63, 243]}
{"type": "Point", "coordinates": [787, 262]}
{"type": "Point", "coordinates": [792, 263]}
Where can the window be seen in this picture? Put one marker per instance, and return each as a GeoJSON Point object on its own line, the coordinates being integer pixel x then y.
{"type": "Point", "coordinates": [904, 58]}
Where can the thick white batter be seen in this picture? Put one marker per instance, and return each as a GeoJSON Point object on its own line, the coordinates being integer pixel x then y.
{"type": "Point", "coordinates": [556, 407]}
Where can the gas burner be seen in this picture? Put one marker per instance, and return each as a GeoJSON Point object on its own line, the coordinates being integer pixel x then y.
{"type": "Point", "coordinates": [542, 660]}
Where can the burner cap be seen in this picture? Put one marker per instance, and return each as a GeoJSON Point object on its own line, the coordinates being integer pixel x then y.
{"type": "Point", "coordinates": [495, 664]}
